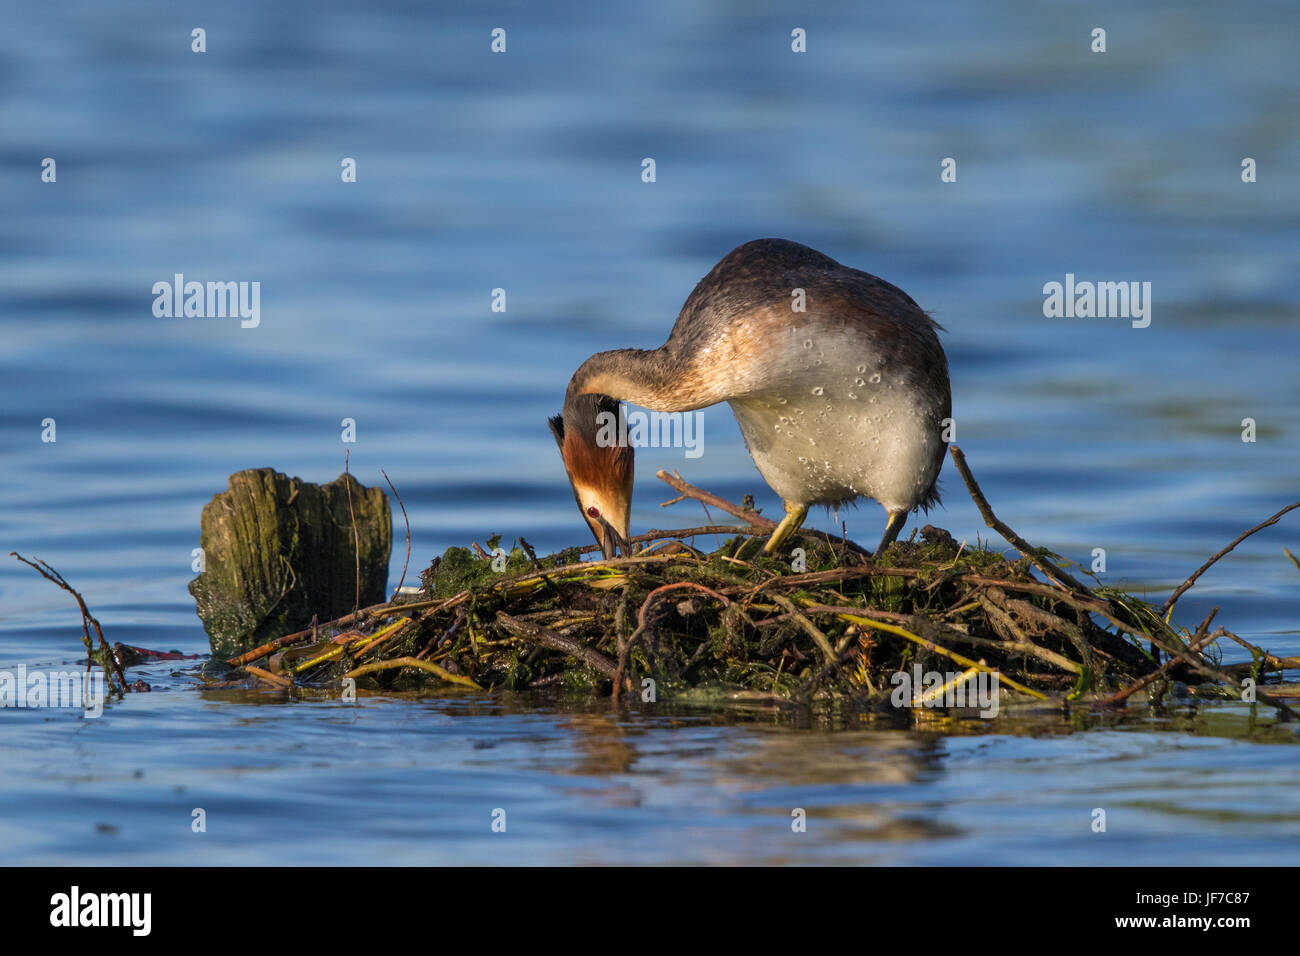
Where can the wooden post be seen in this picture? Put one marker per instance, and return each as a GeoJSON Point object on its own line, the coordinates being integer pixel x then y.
{"type": "Point", "coordinates": [278, 550]}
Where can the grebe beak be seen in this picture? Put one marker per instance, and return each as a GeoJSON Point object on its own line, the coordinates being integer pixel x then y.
{"type": "Point", "coordinates": [611, 542]}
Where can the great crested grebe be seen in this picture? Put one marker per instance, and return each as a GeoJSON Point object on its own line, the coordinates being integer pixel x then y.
{"type": "Point", "coordinates": [845, 399]}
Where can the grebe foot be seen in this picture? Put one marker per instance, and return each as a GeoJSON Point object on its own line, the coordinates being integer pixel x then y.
{"type": "Point", "coordinates": [794, 515]}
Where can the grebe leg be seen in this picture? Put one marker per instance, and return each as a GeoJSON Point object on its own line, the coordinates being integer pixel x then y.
{"type": "Point", "coordinates": [794, 515]}
{"type": "Point", "coordinates": [896, 521]}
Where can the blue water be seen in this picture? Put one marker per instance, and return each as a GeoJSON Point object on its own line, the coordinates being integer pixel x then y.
{"type": "Point", "coordinates": [522, 171]}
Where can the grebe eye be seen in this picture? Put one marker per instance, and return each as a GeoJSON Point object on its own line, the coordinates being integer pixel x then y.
{"type": "Point", "coordinates": [593, 512]}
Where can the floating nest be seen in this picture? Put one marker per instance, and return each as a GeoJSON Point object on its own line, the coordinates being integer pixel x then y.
{"type": "Point", "coordinates": [826, 622]}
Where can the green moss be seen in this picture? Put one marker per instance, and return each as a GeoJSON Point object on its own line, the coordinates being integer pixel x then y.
{"type": "Point", "coordinates": [279, 550]}
{"type": "Point", "coordinates": [460, 569]}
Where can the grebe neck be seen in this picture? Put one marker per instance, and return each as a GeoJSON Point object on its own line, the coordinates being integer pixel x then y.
{"type": "Point", "coordinates": [652, 378]}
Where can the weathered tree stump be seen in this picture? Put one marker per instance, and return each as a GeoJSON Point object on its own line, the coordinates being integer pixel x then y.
{"type": "Point", "coordinates": [278, 550]}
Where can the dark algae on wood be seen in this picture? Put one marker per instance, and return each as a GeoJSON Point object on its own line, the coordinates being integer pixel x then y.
{"type": "Point", "coordinates": [279, 550]}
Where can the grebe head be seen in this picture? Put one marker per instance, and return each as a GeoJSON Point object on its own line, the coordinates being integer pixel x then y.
{"type": "Point", "coordinates": [588, 432]}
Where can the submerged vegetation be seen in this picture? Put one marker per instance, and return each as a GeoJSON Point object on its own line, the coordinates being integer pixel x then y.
{"type": "Point", "coordinates": [826, 622]}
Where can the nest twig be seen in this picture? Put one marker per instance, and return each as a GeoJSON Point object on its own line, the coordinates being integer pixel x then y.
{"type": "Point", "coordinates": [103, 653]}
